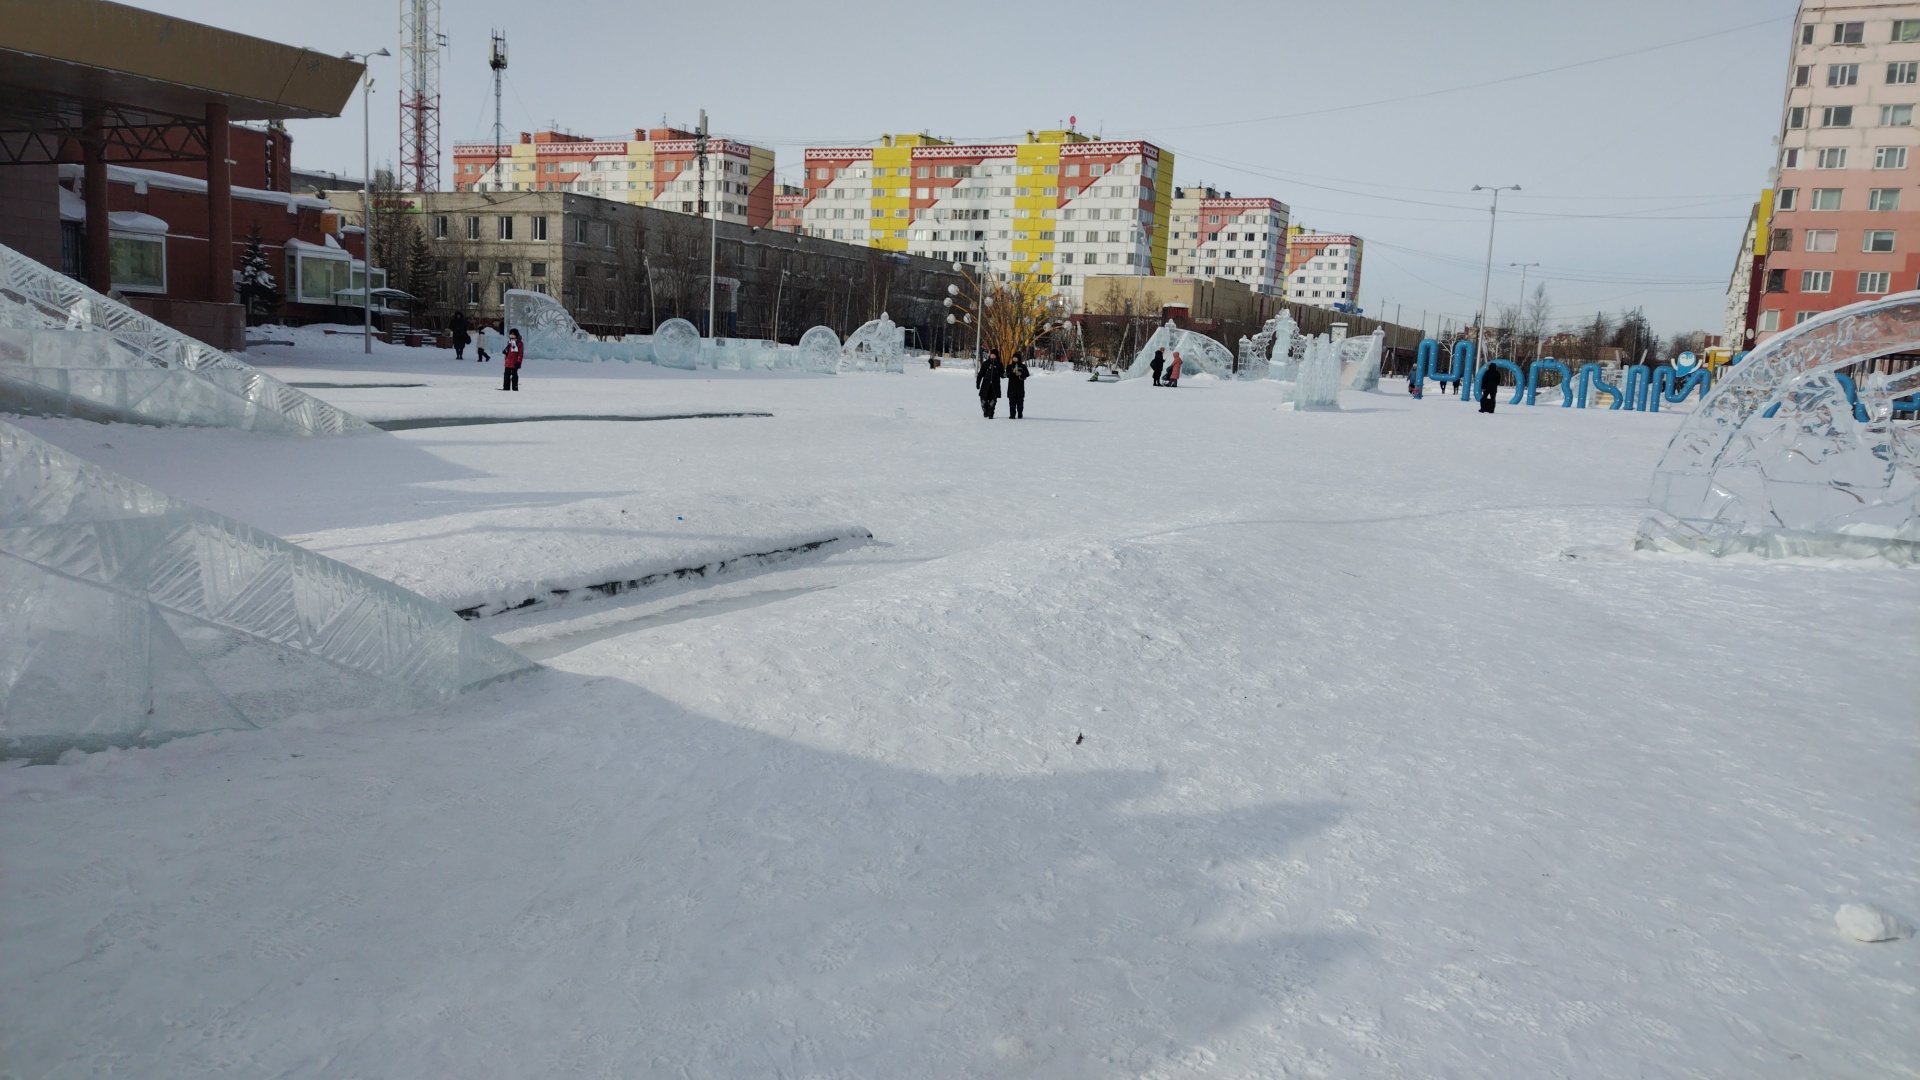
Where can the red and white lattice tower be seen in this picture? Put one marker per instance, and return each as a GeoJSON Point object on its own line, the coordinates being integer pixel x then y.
{"type": "Point", "coordinates": [420, 45]}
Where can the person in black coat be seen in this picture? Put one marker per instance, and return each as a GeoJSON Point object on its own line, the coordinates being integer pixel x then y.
{"type": "Point", "coordinates": [987, 381]}
{"type": "Point", "coordinates": [1017, 389]}
{"type": "Point", "coordinates": [458, 327]}
{"type": "Point", "coordinates": [1489, 388]}
{"type": "Point", "coordinates": [1159, 362]}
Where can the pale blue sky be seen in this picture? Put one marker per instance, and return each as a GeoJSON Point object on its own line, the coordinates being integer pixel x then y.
{"type": "Point", "coordinates": [1681, 134]}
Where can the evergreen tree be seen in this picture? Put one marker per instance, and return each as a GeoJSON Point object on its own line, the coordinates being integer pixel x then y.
{"type": "Point", "coordinates": [418, 266]}
{"type": "Point", "coordinates": [258, 289]}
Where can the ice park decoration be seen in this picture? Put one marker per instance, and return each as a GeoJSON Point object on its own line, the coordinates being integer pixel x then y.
{"type": "Point", "coordinates": [1641, 387]}
{"type": "Point", "coordinates": [551, 334]}
{"type": "Point", "coordinates": [676, 344]}
{"type": "Point", "coordinates": [133, 617]}
{"type": "Point", "coordinates": [1795, 455]}
{"type": "Point", "coordinates": [1316, 386]}
{"type": "Point", "coordinates": [819, 351]}
{"type": "Point", "coordinates": [878, 345]}
{"type": "Point", "coordinates": [66, 350]}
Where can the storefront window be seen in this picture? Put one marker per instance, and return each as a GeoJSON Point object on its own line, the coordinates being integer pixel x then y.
{"type": "Point", "coordinates": [139, 263]}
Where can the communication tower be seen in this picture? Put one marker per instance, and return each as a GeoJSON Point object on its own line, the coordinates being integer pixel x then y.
{"type": "Point", "coordinates": [497, 60]}
{"type": "Point", "coordinates": [420, 45]}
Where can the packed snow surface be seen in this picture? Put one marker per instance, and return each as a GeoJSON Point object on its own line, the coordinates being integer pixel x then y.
{"type": "Point", "coordinates": [1162, 733]}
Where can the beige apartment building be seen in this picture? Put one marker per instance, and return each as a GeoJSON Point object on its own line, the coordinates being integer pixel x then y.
{"type": "Point", "coordinates": [1843, 220]}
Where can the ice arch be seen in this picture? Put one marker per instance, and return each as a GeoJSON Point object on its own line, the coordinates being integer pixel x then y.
{"type": "Point", "coordinates": [1781, 460]}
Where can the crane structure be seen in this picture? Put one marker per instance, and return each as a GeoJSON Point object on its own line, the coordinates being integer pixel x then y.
{"type": "Point", "coordinates": [420, 45]}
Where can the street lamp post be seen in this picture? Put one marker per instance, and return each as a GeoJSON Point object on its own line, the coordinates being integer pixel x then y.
{"type": "Point", "coordinates": [1486, 283]}
{"type": "Point", "coordinates": [366, 195]}
{"type": "Point", "coordinates": [1522, 309]}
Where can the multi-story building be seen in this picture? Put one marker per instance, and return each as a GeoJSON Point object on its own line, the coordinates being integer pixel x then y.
{"type": "Point", "coordinates": [658, 167]}
{"type": "Point", "coordinates": [1217, 235]}
{"type": "Point", "coordinates": [1052, 208]}
{"type": "Point", "coordinates": [1843, 226]}
{"type": "Point", "coordinates": [1323, 269]}
{"type": "Point", "coordinates": [788, 201]}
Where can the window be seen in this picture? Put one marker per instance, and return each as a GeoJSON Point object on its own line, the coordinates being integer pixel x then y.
{"type": "Point", "coordinates": [440, 226]}
{"type": "Point", "coordinates": [1776, 281]}
{"type": "Point", "coordinates": [1843, 74]}
{"type": "Point", "coordinates": [1905, 73]}
{"type": "Point", "coordinates": [1785, 198]}
{"type": "Point", "coordinates": [1830, 157]}
{"type": "Point", "coordinates": [1797, 117]}
{"type": "Point", "coordinates": [1884, 198]}
{"type": "Point", "coordinates": [1806, 34]}
{"type": "Point", "coordinates": [1890, 157]}
{"type": "Point", "coordinates": [1802, 316]}
{"type": "Point", "coordinates": [1880, 240]}
{"type": "Point", "coordinates": [504, 269]}
{"type": "Point", "coordinates": [139, 262]}
{"type": "Point", "coordinates": [538, 269]}
{"type": "Point", "coordinates": [473, 266]}
{"type": "Point", "coordinates": [1826, 198]}
{"type": "Point", "coordinates": [1906, 30]}
{"type": "Point", "coordinates": [504, 286]}
{"type": "Point", "coordinates": [1790, 158]}
{"type": "Point", "coordinates": [473, 292]}
{"type": "Point", "coordinates": [1782, 241]}
{"type": "Point", "coordinates": [1770, 320]}
{"type": "Point", "coordinates": [539, 230]}
{"type": "Point", "coordinates": [1836, 116]}
{"type": "Point", "coordinates": [1816, 281]}
{"type": "Point", "coordinates": [1896, 116]}
{"type": "Point", "coordinates": [1873, 283]}
{"type": "Point", "coordinates": [319, 277]}
{"type": "Point", "coordinates": [580, 230]}
{"type": "Point", "coordinates": [503, 225]}
{"type": "Point", "coordinates": [1849, 33]}
{"type": "Point", "coordinates": [473, 228]}
{"type": "Point", "coordinates": [1803, 75]}
{"type": "Point", "coordinates": [1822, 239]}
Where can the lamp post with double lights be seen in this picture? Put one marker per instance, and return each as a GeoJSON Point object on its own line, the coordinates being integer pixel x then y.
{"type": "Point", "coordinates": [1486, 283]}
{"type": "Point", "coordinates": [366, 193]}
{"type": "Point", "coordinates": [968, 310]}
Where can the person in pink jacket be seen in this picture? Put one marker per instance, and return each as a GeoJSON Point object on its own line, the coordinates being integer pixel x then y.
{"type": "Point", "coordinates": [1173, 370]}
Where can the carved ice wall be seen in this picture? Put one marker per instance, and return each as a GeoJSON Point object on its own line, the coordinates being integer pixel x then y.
{"type": "Point", "coordinates": [132, 617]}
{"type": "Point", "coordinates": [1318, 383]}
{"type": "Point", "coordinates": [1790, 454]}
{"type": "Point", "coordinates": [69, 351]}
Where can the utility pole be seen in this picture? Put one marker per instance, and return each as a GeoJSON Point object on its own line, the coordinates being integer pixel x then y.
{"type": "Point", "coordinates": [366, 196]}
{"type": "Point", "coordinates": [1521, 311]}
{"type": "Point", "coordinates": [713, 222]}
{"type": "Point", "coordinates": [1486, 283]}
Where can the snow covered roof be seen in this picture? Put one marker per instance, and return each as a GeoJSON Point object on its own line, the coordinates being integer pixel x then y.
{"type": "Point", "coordinates": [72, 207]}
{"type": "Point", "coordinates": [318, 251]}
{"type": "Point", "coordinates": [143, 179]}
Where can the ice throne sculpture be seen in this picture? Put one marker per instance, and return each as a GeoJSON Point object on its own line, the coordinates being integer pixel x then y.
{"type": "Point", "coordinates": [1795, 454]}
{"type": "Point", "coordinates": [878, 345]}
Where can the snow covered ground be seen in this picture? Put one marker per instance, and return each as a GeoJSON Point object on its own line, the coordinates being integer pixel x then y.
{"type": "Point", "coordinates": [1162, 733]}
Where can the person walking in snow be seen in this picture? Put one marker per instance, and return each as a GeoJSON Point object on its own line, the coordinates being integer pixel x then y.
{"type": "Point", "coordinates": [987, 381]}
{"type": "Point", "coordinates": [1489, 388]}
{"type": "Point", "coordinates": [516, 351]}
{"type": "Point", "coordinates": [1173, 370]}
{"type": "Point", "coordinates": [1159, 363]}
{"type": "Point", "coordinates": [457, 326]}
{"type": "Point", "coordinates": [1017, 389]}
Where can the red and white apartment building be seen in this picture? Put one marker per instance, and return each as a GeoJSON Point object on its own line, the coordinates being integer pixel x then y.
{"type": "Point", "coordinates": [1323, 269]}
{"type": "Point", "coordinates": [1842, 220]}
{"type": "Point", "coordinates": [658, 167]}
{"type": "Point", "coordinates": [1215, 235]}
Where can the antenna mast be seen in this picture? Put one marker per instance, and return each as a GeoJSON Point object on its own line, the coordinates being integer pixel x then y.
{"type": "Point", "coordinates": [498, 62]}
{"type": "Point", "coordinates": [420, 45]}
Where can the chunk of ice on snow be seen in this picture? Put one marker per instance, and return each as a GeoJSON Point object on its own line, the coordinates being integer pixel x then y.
{"type": "Point", "coordinates": [1863, 922]}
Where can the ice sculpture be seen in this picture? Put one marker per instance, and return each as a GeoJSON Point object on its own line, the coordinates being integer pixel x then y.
{"type": "Point", "coordinates": [1318, 384]}
{"type": "Point", "coordinates": [1364, 373]}
{"type": "Point", "coordinates": [75, 352]}
{"type": "Point", "coordinates": [1162, 339]}
{"type": "Point", "coordinates": [1198, 353]}
{"type": "Point", "coordinates": [676, 344]}
{"type": "Point", "coordinates": [819, 351]}
{"type": "Point", "coordinates": [132, 617]}
{"type": "Point", "coordinates": [1781, 460]}
{"type": "Point", "coordinates": [551, 334]}
{"type": "Point", "coordinates": [877, 346]}
{"type": "Point", "coordinates": [742, 354]}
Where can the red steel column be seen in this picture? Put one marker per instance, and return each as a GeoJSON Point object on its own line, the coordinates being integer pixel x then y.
{"type": "Point", "coordinates": [219, 206]}
{"type": "Point", "coordinates": [93, 151]}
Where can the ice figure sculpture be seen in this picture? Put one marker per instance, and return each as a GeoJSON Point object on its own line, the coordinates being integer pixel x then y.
{"type": "Point", "coordinates": [1198, 353]}
{"type": "Point", "coordinates": [819, 351]}
{"type": "Point", "coordinates": [1142, 365]}
{"type": "Point", "coordinates": [676, 344]}
{"type": "Point", "coordinates": [877, 346]}
{"type": "Point", "coordinates": [1781, 459]}
{"type": "Point", "coordinates": [1318, 384]}
{"type": "Point", "coordinates": [1269, 349]}
{"type": "Point", "coordinates": [133, 617]}
{"type": "Point", "coordinates": [73, 352]}
{"type": "Point", "coordinates": [1364, 374]}
{"type": "Point", "coordinates": [551, 334]}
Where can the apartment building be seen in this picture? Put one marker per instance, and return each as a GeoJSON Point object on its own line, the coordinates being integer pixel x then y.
{"type": "Point", "coordinates": [658, 167]}
{"type": "Point", "coordinates": [1323, 269]}
{"type": "Point", "coordinates": [1843, 226]}
{"type": "Point", "coordinates": [788, 201]}
{"type": "Point", "coordinates": [1215, 235]}
{"type": "Point", "coordinates": [1052, 208]}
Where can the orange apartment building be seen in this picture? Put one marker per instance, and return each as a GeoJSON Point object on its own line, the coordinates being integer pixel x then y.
{"type": "Point", "coordinates": [657, 168]}
{"type": "Point", "coordinates": [1841, 223]}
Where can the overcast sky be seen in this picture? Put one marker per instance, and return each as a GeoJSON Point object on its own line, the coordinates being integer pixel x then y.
{"type": "Point", "coordinates": [1637, 170]}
